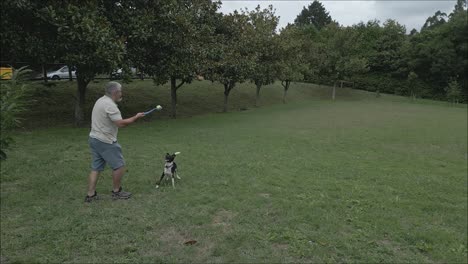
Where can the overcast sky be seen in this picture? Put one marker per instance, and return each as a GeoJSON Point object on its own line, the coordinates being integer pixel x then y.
{"type": "Point", "coordinates": [412, 14]}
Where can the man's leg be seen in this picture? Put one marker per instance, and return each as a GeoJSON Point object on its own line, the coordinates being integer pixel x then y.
{"type": "Point", "coordinates": [117, 192]}
{"type": "Point", "coordinates": [92, 181]}
{"type": "Point", "coordinates": [117, 178]}
{"type": "Point", "coordinates": [115, 159]}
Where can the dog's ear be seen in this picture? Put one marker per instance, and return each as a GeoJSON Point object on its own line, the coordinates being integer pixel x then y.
{"type": "Point", "coordinates": [167, 154]}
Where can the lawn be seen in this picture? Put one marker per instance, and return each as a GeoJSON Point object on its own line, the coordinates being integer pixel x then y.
{"type": "Point", "coordinates": [361, 179]}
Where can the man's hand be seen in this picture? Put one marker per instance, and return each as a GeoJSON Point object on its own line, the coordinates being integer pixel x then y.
{"type": "Point", "coordinates": [139, 115]}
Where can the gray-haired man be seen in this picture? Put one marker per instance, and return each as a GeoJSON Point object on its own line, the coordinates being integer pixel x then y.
{"type": "Point", "coordinates": [105, 122]}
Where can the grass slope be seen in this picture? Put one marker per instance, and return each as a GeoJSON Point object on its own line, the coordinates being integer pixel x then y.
{"type": "Point", "coordinates": [356, 180]}
{"type": "Point", "coordinates": [54, 105]}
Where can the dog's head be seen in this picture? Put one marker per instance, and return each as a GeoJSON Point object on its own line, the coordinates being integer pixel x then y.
{"type": "Point", "coordinates": [170, 157]}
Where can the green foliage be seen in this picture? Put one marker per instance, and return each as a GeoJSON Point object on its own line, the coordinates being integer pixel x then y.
{"type": "Point", "coordinates": [315, 14]}
{"type": "Point", "coordinates": [438, 19]}
{"type": "Point", "coordinates": [412, 88]}
{"type": "Point", "coordinates": [342, 50]}
{"type": "Point", "coordinates": [26, 35]}
{"type": "Point", "coordinates": [265, 45]}
{"type": "Point", "coordinates": [453, 91]}
{"type": "Point", "coordinates": [439, 52]}
{"type": "Point", "coordinates": [13, 102]}
{"type": "Point", "coordinates": [177, 43]}
{"type": "Point", "coordinates": [380, 83]}
{"type": "Point", "coordinates": [86, 39]}
{"type": "Point", "coordinates": [232, 59]}
{"type": "Point", "coordinates": [292, 64]}
{"type": "Point", "coordinates": [433, 55]}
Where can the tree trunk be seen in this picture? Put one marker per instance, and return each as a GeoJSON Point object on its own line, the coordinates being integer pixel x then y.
{"type": "Point", "coordinates": [334, 91]}
{"type": "Point", "coordinates": [226, 94]}
{"type": "Point", "coordinates": [257, 97]}
{"type": "Point", "coordinates": [70, 74]}
{"type": "Point", "coordinates": [286, 88]}
{"type": "Point", "coordinates": [284, 95]}
{"type": "Point", "coordinates": [44, 73]}
{"type": "Point", "coordinates": [80, 101]}
{"type": "Point", "coordinates": [174, 97]}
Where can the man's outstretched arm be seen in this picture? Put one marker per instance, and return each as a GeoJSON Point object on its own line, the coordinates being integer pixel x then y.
{"type": "Point", "coordinates": [128, 121]}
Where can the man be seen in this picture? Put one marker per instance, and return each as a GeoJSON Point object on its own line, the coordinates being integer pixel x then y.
{"type": "Point", "coordinates": [105, 122]}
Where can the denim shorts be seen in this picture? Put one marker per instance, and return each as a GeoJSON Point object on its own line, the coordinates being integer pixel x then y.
{"type": "Point", "coordinates": [105, 153]}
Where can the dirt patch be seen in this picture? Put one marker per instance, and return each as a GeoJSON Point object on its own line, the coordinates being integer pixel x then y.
{"type": "Point", "coordinates": [223, 218]}
{"type": "Point", "coordinates": [204, 251]}
{"type": "Point", "coordinates": [4, 260]}
{"type": "Point", "coordinates": [280, 246]}
{"type": "Point", "coordinates": [388, 244]}
{"type": "Point", "coordinates": [171, 236]}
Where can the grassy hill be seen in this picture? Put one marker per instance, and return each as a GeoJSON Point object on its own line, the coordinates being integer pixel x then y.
{"type": "Point", "coordinates": [356, 180]}
{"type": "Point", "coordinates": [54, 105]}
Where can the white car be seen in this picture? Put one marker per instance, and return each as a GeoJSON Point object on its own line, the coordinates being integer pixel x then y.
{"type": "Point", "coordinates": [61, 73]}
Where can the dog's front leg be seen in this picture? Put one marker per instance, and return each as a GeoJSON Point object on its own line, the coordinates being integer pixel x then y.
{"type": "Point", "coordinates": [177, 175]}
{"type": "Point", "coordinates": [159, 182]}
{"type": "Point", "coordinates": [173, 184]}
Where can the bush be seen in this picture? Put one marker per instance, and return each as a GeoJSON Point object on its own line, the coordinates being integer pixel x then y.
{"type": "Point", "coordinates": [13, 101]}
{"type": "Point", "coordinates": [379, 83]}
{"type": "Point", "coordinates": [453, 91]}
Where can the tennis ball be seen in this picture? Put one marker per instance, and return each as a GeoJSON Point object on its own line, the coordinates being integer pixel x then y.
{"type": "Point", "coordinates": [159, 107]}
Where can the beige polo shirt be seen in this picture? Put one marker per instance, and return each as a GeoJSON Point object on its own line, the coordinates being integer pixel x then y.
{"type": "Point", "coordinates": [105, 112]}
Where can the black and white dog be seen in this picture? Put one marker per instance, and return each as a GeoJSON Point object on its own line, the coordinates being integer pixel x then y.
{"type": "Point", "coordinates": [170, 169]}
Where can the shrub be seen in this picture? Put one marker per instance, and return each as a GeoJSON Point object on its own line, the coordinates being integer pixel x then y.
{"type": "Point", "coordinates": [13, 101]}
{"type": "Point", "coordinates": [453, 91]}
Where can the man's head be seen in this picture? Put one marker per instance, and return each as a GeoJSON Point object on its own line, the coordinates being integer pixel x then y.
{"type": "Point", "coordinates": [114, 91]}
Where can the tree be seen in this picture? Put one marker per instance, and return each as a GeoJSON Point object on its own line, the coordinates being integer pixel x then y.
{"type": "Point", "coordinates": [177, 47]}
{"type": "Point", "coordinates": [439, 18]}
{"type": "Point", "coordinates": [87, 41]}
{"type": "Point", "coordinates": [232, 60]}
{"type": "Point", "coordinates": [453, 91]}
{"type": "Point", "coordinates": [264, 43]}
{"type": "Point", "coordinates": [292, 65]}
{"type": "Point", "coordinates": [412, 86]}
{"type": "Point", "coordinates": [459, 7]}
{"type": "Point", "coordinates": [315, 14]}
{"type": "Point", "coordinates": [439, 52]}
{"type": "Point", "coordinates": [26, 35]}
{"type": "Point", "coordinates": [342, 52]}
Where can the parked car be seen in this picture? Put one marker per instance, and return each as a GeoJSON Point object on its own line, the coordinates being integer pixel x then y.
{"type": "Point", "coordinates": [61, 73]}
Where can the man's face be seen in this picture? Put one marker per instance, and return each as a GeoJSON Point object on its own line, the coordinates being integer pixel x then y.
{"type": "Point", "coordinates": [117, 96]}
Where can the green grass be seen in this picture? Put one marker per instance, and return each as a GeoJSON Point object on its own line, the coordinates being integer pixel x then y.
{"type": "Point", "coordinates": [356, 180]}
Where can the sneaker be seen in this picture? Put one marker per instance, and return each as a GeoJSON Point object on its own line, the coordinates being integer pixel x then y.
{"type": "Point", "coordinates": [121, 194]}
{"type": "Point", "coordinates": [91, 198]}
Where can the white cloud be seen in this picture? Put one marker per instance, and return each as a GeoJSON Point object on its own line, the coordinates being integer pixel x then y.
{"type": "Point", "coordinates": [412, 14]}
